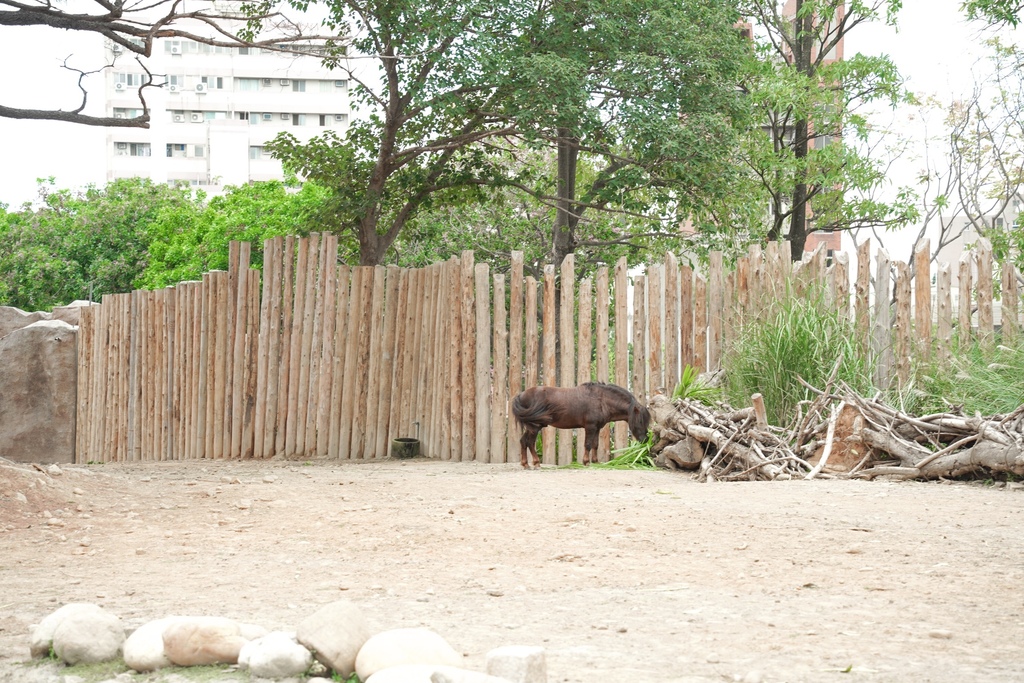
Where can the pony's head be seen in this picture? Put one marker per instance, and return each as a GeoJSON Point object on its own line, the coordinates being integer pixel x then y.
{"type": "Point", "coordinates": [639, 421]}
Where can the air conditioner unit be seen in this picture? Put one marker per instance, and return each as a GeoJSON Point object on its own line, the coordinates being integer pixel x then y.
{"type": "Point", "coordinates": [118, 116]}
{"type": "Point", "coordinates": [285, 81]}
{"type": "Point", "coordinates": [122, 145]}
{"type": "Point", "coordinates": [340, 84]}
{"type": "Point", "coordinates": [285, 117]}
{"type": "Point", "coordinates": [175, 50]}
{"type": "Point", "coordinates": [119, 86]}
{"type": "Point", "coordinates": [117, 49]}
{"type": "Point", "coordinates": [268, 117]}
{"type": "Point", "coordinates": [339, 117]}
{"type": "Point", "coordinates": [179, 118]}
{"type": "Point", "coordinates": [200, 87]}
{"type": "Point", "coordinates": [196, 117]}
{"type": "Point", "coordinates": [172, 88]}
{"type": "Point", "coordinates": [267, 82]}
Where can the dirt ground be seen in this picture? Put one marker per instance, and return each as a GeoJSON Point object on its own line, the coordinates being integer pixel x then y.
{"type": "Point", "coordinates": [621, 576]}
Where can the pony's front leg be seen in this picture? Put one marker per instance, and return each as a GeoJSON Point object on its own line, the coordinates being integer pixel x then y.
{"type": "Point", "coordinates": [590, 445]}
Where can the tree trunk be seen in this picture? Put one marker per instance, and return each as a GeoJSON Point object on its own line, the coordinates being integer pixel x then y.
{"type": "Point", "coordinates": [804, 45]}
{"type": "Point", "coordinates": [563, 240]}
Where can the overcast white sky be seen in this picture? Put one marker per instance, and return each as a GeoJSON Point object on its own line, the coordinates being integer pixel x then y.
{"type": "Point", "coordinates": [933, 48]}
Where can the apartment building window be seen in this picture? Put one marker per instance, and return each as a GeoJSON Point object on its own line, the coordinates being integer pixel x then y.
{"type": "Point", "coordinates": [123, 113]}
{"type": "Point", "coordinates": [176, 150]}
{"type": "Point", "coordinates": [176, 81]}
{"type": "Point", "coordinates": [129, 80]}
{"type": "Point", "coordinates": [298, 119]}
{"type": "Point", "coordinates": [247, 84]}
{"type": "Point", "coordinates": [199, 150]}
{"type": "Point", "coordinates": [255, 153]}
{"type": "Point", "coordinates": [215, 115]}
{"type": "Point", "coordinates": [213, 82]}
{"type": "Point", "coordinates": [323, 120]}
{"type": "Point", "coordinates": [139, 149]}
{"type": "Point", "coordinates": [243, 115]}
{"type": "Point", "coordinates": [822, 141]}
{"type": "Point", "coordinates": [298, 86]}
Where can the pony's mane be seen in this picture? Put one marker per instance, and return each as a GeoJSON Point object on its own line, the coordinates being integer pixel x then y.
{"type": "Point", "coordinates": [612, 388]}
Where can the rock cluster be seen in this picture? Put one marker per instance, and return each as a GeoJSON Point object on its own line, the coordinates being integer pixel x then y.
{"type": "Point", "coordinates": [337, 636]}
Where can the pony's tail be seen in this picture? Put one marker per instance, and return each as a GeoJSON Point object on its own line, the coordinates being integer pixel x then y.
{"type": "Point", "coordinates": [528, 414]}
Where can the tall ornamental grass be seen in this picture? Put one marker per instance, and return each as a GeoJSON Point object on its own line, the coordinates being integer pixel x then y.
{"type": "Point", "coordinates": [990, 382]}
{"type": "Point", "coordinates": [795, 336]}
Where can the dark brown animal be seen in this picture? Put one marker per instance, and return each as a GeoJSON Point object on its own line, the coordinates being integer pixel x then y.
{"type": "Point", "coordinates": [589, 406]}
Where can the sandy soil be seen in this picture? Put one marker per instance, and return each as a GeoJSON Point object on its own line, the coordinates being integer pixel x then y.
{"type": "Point", "coordinates": [621, 576]}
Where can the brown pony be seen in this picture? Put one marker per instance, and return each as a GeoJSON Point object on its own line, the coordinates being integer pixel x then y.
{"type": "Point", "coordinates": [590, 406]}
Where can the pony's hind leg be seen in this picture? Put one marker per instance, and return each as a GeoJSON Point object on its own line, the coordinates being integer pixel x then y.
{"type": "Point", "coordinates": [528, 444]}
{"type": "Point", "coordinates": [590, 445]}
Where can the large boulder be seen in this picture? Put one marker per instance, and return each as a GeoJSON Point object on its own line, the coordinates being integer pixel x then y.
{"type": "Point", "coordinates": [405, 646]}
{"type": "Point", "coordinates": [41, 636]}
{"type": "Point", "coordinates": [12, 319]}
{"type": "Point", "coordinates": [200, 641]}
{"type": "Point", "coordinates": [427, 673]}
{"type": "Point", "coordinates": [334, 633]}
{"type": "Point", "coordinates": [38, 391]}
{"type": "Point", "coordinates": [89, 638]}
{"type": "Point", "coordinates": [275, 655]}
{"type": "Point", "coordinates": [144, 648]}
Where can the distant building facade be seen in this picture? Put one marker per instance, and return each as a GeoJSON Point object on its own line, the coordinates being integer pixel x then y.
{"type": "Point", "coordinates": [216, 110]}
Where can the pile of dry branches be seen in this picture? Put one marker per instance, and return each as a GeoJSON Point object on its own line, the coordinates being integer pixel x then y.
{"type": "Point", "coordinates": [835, 435]}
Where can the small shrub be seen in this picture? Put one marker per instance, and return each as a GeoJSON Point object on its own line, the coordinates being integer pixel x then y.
{"type": "Point", "coordinates": [693, 387]}
{"type": "Point", "coordinates": [987, 382]}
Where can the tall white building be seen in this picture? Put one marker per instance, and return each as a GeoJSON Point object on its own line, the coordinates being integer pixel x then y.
{"type": "Point", "coordinates": [218, 108]}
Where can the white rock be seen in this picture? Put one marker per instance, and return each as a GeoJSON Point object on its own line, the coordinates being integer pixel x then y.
{"type": "Point", "coordinates": [335, 633]}
{"type": "Point", "coordinates": [199, 641]}
{"type": "Point", "coordinates": [518, 663]}
{"type": "Point", "coordinates": [20, 497]}
{"type": "Point", "coordinates": [88, 637]}
{"type": "Point", "coordinates": [275, 655]}
{"type": "Point", "coordinates": [430, 673]}
{"type": "Point", "coordinates": [41, 637]}
{"type": "Point", "coordinates": [144, 649]}
{"type": "Point", "coordinates": [54, 470]}
{"type": "Point", "coordinates": [404, 646]}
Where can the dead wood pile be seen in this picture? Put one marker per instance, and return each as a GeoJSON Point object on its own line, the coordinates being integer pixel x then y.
{"type": "Point", "coordinates": [837, 436]}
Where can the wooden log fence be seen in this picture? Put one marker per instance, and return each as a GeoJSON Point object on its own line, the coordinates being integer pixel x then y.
{"type": "Point", "coordinates": [310, 358]}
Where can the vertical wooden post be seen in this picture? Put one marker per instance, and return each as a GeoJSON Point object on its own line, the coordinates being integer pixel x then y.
{"type": "Point", "coordinates": [222, 310]}
{"type": "Point", "coordinates": [964, 286]}
{"type": "Point", "coordinates": [716, 309]}
{"type": "Point", "coordinates": [515, 344]}
{"type": "Point", "coordinates": [671, 322]}
{"type": "Point", "coordinates": [944, 297]}
{"type": "Point", "coordinates": [230, 331]}
{"type": "Point", "coordinates": [295, 347]}
{"type": "Point", "coordinates": [862, 308]}
{"type": "Point", "coordinates": [841, 270]}
{"type": "Point", "coordinates": [621, 340]}
{"type": "Point", "coordinates": [454, 295]}
{"type": "Point", "coordinates": [238, 356]}
{"type": "Point", "coordinates": [316, 351]}
{"type": "Point", "coordinates": [263, 350]}
{"type": "Point", "coordinates": [360, 366]}
{"type": "Point", "coordinates": [584, 350]}
{"type": "Point", "coordinates": [881, 337]}
{"type": "Point", "coordinates": [986, 326]}
{"type": "Point", "coordinates": [923, 299]}
{"type": "Point", "coordinates": [483, 362]}
{"type": "Point", "coordinates": [700, 323]}
{"type": "Point", "coordinates": [251, 361]}
{"type": "Point", "coordinates": [325, 380]}
{"type": "Point", "coordinates": [83, 381]}
{"type": "Point", "coordinates": [499, 402]}
{"type": "Point", "coordinates": [531, 368]}
{"type": "Point", "coordinates": [566, 345]}
{"type": "Point", "coordinates": [639, 383]}
{"type": "Point", "coordinates": [136, 380]}
{"type": "Point", "coordinates": [387, 360]}
{"type": "Point", "coordinates": [307, 276]}
{"type": "Point", "coordinates": [468, 358]}
{"type": "Point", "coordinates": [602, 338]}
{"type": "Point", "coordinates": [1010, 303]}
{"type": "Point", "coordinates": [655, 298]}
{"type": "Point", "coordinates": [285, 379]}
{"type": "Point", "coordinates": [550, 338]}
{"type": "Point", "coordinates": [339, 374]}
{"type": "Point", "coordinates": [374, 377]}
{"type": "Point", "coordinates": [903, 332]}
{"type": "Point", "coordinates": [204, 408]}
{"type": "Point", "coordinates": [686, 324]}
{"type": "Point", "coordinates": [440, 408]}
